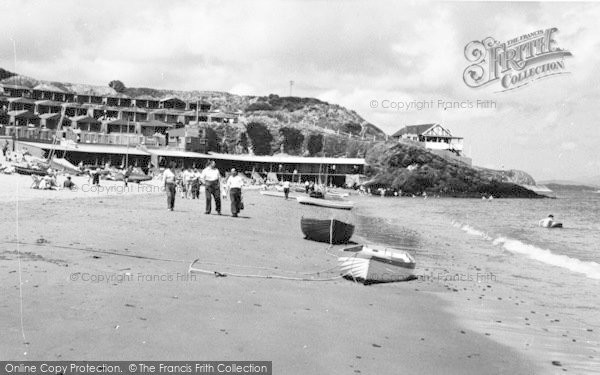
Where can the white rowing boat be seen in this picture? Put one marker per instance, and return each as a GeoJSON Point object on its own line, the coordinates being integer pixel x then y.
{"type": "Point", "coordinates": [343, 205]}
{"type": "Point", "coordinates": [371, 263]}
{"type": "Point", "coordinates": [279, 194]}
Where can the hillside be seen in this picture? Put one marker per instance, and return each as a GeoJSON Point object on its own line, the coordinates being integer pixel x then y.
{"type": "Point", "coordinates": [413, 170]}
{"type": "Point", "coordinates": [308, 114]}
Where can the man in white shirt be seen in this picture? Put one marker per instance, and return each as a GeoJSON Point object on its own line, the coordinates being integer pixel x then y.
{"type": "Point", "coordinates": [234, 187]}
{"type": "Point", "coordinates": [210, 178]}
{"type": "Point", "coordinates": [169, 183]}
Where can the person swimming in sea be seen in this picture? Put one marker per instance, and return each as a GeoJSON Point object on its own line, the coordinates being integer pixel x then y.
{"type": "Point", "coordinates": [547, 222]}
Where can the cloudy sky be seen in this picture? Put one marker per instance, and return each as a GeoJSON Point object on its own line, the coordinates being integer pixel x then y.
{"type": "Point", "coordinates": [346, 52]}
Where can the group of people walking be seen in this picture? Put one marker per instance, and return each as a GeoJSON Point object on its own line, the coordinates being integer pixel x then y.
{"type": "Point", "coordinates": [190, 181]}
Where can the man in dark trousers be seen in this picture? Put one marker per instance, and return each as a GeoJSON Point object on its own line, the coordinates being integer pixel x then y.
{"type": "Point", "coordinates": [210, 178]}
{"type": "Point", "coordinates": [169, 183]}
{"type": "Point", "coordinates": [235, 183]}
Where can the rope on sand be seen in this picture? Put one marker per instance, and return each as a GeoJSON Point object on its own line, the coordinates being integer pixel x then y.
{"type": "Point", "coordinates": [254, 276]}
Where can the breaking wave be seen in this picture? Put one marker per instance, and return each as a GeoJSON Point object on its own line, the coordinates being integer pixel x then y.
{"type": "Point", "coordinates": [590, 269]}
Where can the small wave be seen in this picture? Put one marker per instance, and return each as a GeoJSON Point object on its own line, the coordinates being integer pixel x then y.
{"type": "Point", "coordinates": [590, 269]}
{"type": "Point", "coordinates": [474, 232]}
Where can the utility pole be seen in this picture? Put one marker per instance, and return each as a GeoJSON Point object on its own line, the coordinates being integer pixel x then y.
{"type": "Point", "coordinates": [291, 84]}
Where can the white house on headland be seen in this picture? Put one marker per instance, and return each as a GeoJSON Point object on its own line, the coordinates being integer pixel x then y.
{"type": "Point", "coordinates": [432, 136]}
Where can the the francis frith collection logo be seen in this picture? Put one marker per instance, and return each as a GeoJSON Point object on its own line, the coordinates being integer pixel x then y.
{"type": "Point", "coordinates": [516, 62]}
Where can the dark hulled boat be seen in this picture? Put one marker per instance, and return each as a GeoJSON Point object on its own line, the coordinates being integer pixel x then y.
{"type": "Point", "coordinates": [30, 171]}
{"type": "Point", "coordinates": [330, 231]}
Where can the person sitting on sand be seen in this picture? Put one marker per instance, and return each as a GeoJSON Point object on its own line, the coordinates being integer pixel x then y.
{"type": "Point", "coordinates": [68, 184]}
{"type": "Point", "coordinates": [547, 222]}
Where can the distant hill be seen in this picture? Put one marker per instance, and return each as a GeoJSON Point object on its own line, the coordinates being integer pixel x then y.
{"type": "Point", "coordinates": [571, 187]}
{"type": "Point", "coordinates": [591, 180]}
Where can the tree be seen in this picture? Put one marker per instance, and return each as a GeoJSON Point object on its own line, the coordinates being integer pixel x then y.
{"type": "Point", "coordinates": [261, 138]}
{"type": "Point", "coordinates": [212, 140]}
{"type": "Point", "coordinates": [352, 149]}
{"type": "Point", "coordinates": [292, 139]}
{"type": "Point", "coordinates": [334, 146]}
{"type": "Point", "coordinates": [352, 128]}
{"type": "Point", "coordinates": [243, 142]}
{"type": "Point", "coordinates": [314, 144]}
{"type": "Point", "coordinates": [117, 85]}
{"type": "Point", "coordinates": [259, 106]}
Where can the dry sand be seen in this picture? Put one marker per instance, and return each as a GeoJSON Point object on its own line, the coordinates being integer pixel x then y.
{"type": "Point", "coordinates": [150, 309]}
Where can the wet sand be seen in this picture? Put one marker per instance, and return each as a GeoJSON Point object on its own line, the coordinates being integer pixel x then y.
{"type": "Point", "coordinates": [106, 279]}
{"type": "Point", "coordinates": [490, 290]}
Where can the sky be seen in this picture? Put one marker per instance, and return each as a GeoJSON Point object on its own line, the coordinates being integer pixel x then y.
{"type": "Point", "coordinates": [352, 53]}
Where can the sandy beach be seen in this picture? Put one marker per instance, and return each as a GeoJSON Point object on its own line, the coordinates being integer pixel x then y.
{"type": "Point", "coordinates": [106, 278]}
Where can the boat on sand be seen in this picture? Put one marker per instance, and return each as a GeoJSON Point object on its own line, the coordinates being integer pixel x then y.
{"type": "Point", "coordinates": [343, 205]}
{"type": "Point", "coordinates": [331, 231]}
{"type": "Point", "coordinates": [373, 264]}
{"type": "Point", "coordinates": [30, 171]}
{"type": "Point", "coordinates": [279, 194]}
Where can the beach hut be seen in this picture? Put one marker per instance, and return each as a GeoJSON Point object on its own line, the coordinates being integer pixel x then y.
{"type": "Point", "coordinates": [146, 101]}
{"type": "Point", "coordinates": [46, 91]}
{"type": "Point", "coordinates": [172, 102]}
{"type": "Point", "coordinates": [120, 126]}
{"type": "Point", "coordinates": [117, 100]}
{"type": "Point", "coordinates": [86, 123]}
{"type": "Point", "coordinates": [21, 104]}
{"type": "Point", "coordinates": [24, 118]}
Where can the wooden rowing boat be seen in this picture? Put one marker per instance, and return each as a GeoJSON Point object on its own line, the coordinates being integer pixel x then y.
{"type": "Point", "coordinates": [372, 263]}
{"type": "Point", "coordinates": [343, 205]}
{"type": "Point", "coordinates": [330, 231]}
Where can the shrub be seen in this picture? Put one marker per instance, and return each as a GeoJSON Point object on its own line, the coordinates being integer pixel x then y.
{"type": "Point", "coordinates": [314, 144]}
{"type": "Point", "coordinates": [292, 139]}
{"type": "Point", "coordinates": [261, 138]}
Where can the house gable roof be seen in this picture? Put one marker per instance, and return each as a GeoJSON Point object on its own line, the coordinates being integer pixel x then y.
{"type": "Point", "coordinates": [413, 129]}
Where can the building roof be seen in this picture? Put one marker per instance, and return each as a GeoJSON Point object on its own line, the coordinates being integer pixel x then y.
{"type": "Point", "coordinates": [222, 115]}
{"type": "Point", "coordinates": [89, 148]}
{"type": "Point", "coordinates": [155, 123]}
{"type": "Point", "coordinates": [178, 153]}
{"type": "Point", "coordinates": [146, 97]}
{"type": "Point", "coordinates": [120, 121]}
{"type": "Point", "coordinates": [48, 87]}
{"type": "Point", "coordinates": [84, 119]}
{"type": "Point", "coordinates": [49, 103]}
{"type": "Point", "coordinates": [171, 97]}
{"type": "Point", "coordinates": [21, 100]}
{"type": "Point", "coordinates": [413, 129]}
{"type": "Point", "coordinates": [73, 105]}
{"type": "Point", "coordinates": [49, 115]}
{"type": "Point", "coordinates": [14, 87]}
{"type": "Point", "coordinates": [287, 159]}
{"type": "Point", "coordinates": [118, 95]}
{"type": "Point", "coordinates": [23, 114]}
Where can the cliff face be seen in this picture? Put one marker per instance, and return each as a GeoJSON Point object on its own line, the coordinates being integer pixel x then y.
{"type": "Point", "coordinates": [414, 170]}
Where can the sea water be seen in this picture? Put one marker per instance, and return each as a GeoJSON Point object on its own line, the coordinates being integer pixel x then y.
{"type": "Point", "coordinates": [556, 270]}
